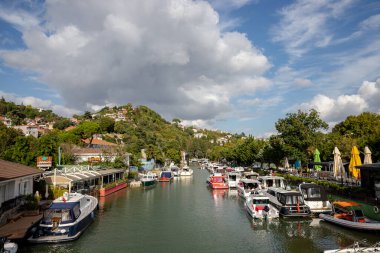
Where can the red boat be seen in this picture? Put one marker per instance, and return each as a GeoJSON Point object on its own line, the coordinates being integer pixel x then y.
{"type": "Point", "coordinates": [217, 181]}
{"type": "Point", "coordinates": [166, 176]}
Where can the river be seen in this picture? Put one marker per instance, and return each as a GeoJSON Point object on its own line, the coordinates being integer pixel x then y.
{"type": "Point", "coordinates": [186, 216]}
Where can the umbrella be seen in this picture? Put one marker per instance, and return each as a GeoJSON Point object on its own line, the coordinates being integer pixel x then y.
{"type": "Point", "coordinates": [338, 164]}
{"type": "Point", "coordinates": [355, 161]}
{"type": "Point", "coordinates": [317, 159]}
{"type": "Point", "coordinates": [367, 156]}
{"type": "Point", "coordinates": [286, 164]}
{"type": "Point", "coordinates": [297, 164]}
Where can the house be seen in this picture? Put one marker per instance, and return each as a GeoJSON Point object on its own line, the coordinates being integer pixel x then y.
{"type": "Point", "coordinates": [98, 143]}
{"type": "Point", "coordinates": [16, 180]}
{"type": "Point", "coordinates": [6, 121]}
{"type": "Point", "coordinates": [93, 155]}
{"type": "Point", "coordinates": [199, 135]}
{"type": "Point", "coordinates": [28, 130]}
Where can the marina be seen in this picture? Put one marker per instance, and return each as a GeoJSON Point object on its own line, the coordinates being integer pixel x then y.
{"type": "Point", "coordinates": [191, 217]}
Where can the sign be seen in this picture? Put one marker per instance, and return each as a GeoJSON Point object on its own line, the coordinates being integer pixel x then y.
{"type": "Point", "coordinates": [44, 161]}
{"type": "Point", "coordinates": [95, 159]}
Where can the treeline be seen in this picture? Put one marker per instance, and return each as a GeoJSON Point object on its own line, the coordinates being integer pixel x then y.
{"type": "Point", "coordinates": [141, 128]}
{"type": "Point", "coordinates": [299, 134]}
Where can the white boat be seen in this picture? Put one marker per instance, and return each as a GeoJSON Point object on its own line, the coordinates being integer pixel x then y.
{"type": "Point", "coordinates": [315, 197]}
{"type": "Point", "coordinates": [357, 247]}
{"type": "Point", "coordinates": [250, 175]}
{"type": "Point", "coordinates": [149, 179]}
{"type": "Point", "coordinates": [186, 172]}
{"type": "Point", "coordinates": [272, 181]}
{"type": "Point", "coordinates": [247, 186]}
{"type": "Point", "coordinates": [233, 179]}
{"type": "Point", "coordinates": [66, 219]}
{"type": "Point", "coordinates": [7, 247]}
{"type": "Point", "coordinates": [258, 207]}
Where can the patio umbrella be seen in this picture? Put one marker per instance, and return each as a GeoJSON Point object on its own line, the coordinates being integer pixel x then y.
{"type": "Point", "coordinates": [338, 164]}
{"type": "Point", "coordinates": [355, 161]}
{"type": "Point", "coordinates": [367, 156]}
{"type": "Point", "coordinates": [297, 164]}
{"type": "Point", "coordinates": [286, 164]}
{"type": "Point", "coordinates": [317, 159]}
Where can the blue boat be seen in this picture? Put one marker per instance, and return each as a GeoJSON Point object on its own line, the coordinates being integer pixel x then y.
{"type": "Point", "coordinates": [65, 219]}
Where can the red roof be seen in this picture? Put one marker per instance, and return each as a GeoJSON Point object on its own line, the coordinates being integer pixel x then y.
{"type": "Point", "coordinates": [11, 170]}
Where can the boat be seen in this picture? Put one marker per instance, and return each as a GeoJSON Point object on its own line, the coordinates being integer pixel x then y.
{"type": "Point", "coordinates": [186, 172]}
{"type": "Point", "coordinates": [288, 203]}
{"type": "Point", "coordinates": [250, 175]}
{"type": "Point", "coordinates": [361, 246]}
{"type": "Point", "coordinates": [7, 246]}
{"type": "Point", "coordinates": [247, 186]}
{"type": "Point", "coordinates": [348, 214]}
{"type": "Point", "coordinates": [271, 181]}
{"type": "Point", "coordinates": [66, 219]}
{"type": "Point", "coordinates": [315, 197]}
{"type": "Point", "coordinates": [232, 179]}
{"type": "Point", "coordinates": [149, 179]}
{"type": "Point", "coordinates": [174, 169]}
{"type": "Point", "coordinates": [217, 181]}
{"type": "Point", "coordinates": [258, 207]}
{"type": "Point", "coordinates": [166, 176]}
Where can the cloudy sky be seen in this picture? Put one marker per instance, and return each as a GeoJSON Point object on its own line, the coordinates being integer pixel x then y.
{"type": "Point", "coordinates": [234, 65]}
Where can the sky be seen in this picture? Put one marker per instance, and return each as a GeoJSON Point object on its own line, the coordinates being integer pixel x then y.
{"type": "Point", "coordinates": [233, 65]}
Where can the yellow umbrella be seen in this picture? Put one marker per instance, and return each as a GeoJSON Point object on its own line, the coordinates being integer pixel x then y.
{"type": "Point", "coordinates": [355, 161]}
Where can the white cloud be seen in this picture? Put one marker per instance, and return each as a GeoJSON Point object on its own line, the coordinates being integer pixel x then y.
{"type": "Point", "coordinates": [40, 103]}
{"type": "Point", "coordinates": [305, 24]}
{"type": "Point", "coordinates": [372, 22]}
{"type": "Point", "coordinates": [170, 55]}
{"type": "Point", "coordinates": [230, 4]}
{"type": "Point", "coordinates": [263, 103]}
{"type": "Point", "coordinates": [336, 109]}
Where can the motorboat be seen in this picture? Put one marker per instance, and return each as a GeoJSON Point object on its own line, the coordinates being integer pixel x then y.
{"type": "Point", "coordinates": [315, 197]}
{"type": "Point", "coordinates": [217, 181]}
{"type": "Point", "coordinates": [250, 175]}
{"type": "Point", "coordinates": [149, 179]}
{"type": "Point", "coordinates": [361, 246]}
{"type": "Point", "coordinates": [247, 186]}
{"type": "Point", "coordinates": [66, 219]}
{"type": "Point", "coordinates": [232, 179]}
{"type": "Point", "coordinates": [186, 172]}
{"type": "Point", "coordinates": [166, 176]}
{"type": "Point", "coordinates": [174, 169]}
{"type": "Point", "coordinates": [348, 214]}
{"type": "Point", "coordinates": [272, 181]}
{"type": "Point", "coordinates": [288, 203]}
{"type": "Point", "coordinates": [7, 246]}
{"type": "Point", "coordinates": [258, 207]}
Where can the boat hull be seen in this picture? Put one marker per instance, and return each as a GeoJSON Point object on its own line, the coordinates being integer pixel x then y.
{"type": "Point", "coordinates": [150, 183]}
{"type": "Point", "coordinates": [367, 226]}
{"type": "Point", "coordinates": [104, 192]}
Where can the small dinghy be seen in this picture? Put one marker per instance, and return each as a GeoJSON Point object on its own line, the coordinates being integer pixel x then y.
{"type": "Point", "coordinates": [357, 247]}
{"type": "Point", "coordinates": [347, 214]}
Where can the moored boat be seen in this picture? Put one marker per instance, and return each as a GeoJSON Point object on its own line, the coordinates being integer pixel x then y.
{"type": "Point", "coordinates": [272, 181]}
{"type": "Point", "coordinates": [217, 181]}
{"type": "Point", "coordinates": [6, 246]}
{"type": "Point", "coordinates": [247, 186]}
{"type": "Point", "coordinates": [357, 247]}
{"type": "Point", "coordinates": [288, 203]}
{"type": "Point", "coordinates": [347, 214]}
{"type": "Point", "coordinates": [66, 219]}
{"type": "Point", "coordinates": [166, 176]}
{"type": "Point", "coordinates": [149, 179]}
{"type": "Point", "coordinates": [315, 197]}
{"type": "Point", "coordinates": [186, 172]}
{"type": "Point", "coordinates": [233, 179]}
{"type": "Point", "coordinates": [258, 207]}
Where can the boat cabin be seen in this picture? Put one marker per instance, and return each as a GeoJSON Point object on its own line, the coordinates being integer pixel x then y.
{"type": "Point", "coordinates": [272, 181]}
{"type": "Point", "coordinates": [250, 175]}
{"type": "Point", "coordinates": [289, 203]}
{"type": "Point", "coordinates": [313, 192]}
{"type": "Point", "coordinates": [346, 210]}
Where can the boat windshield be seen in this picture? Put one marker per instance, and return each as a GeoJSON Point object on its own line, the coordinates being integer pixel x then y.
{"type": "Point", "coordinates": [291, 199]}
{"type": "Point", "coordinates": [251, 186]}
{"type": "Point", "coordinates": [232, 177]}
{"type": "Point", "coordinates": [312, 193]}
{"type": "Point", "coordinates": [218, 180]}
{"type": "Point", "coordinates": [62, 214]}
{"type": "Point", "coordinates": [261, 201]}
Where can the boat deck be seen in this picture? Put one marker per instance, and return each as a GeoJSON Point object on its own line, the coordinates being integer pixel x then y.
{"type": "Point", "coordinates": [16, 230]}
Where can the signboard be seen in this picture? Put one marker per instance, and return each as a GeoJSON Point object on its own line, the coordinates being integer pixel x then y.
{"type": "Point", "coordinates": [44, 161]}
{"type": "Point", "coordinates": [94, 159]}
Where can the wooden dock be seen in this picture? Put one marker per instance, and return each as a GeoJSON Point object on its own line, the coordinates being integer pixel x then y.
{"type": "Point", "coordinates": [16, 230]}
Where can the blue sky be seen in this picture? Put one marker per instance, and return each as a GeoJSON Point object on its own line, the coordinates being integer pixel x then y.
{"type": "Point", "coordinates": [236, 65]}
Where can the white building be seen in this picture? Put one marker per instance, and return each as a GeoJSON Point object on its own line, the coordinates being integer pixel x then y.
{"type": "Point", "coordinates": [28, 130]}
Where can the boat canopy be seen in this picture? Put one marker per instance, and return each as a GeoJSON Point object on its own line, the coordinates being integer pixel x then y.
{"type": "Point", "coordinates": [60, 205]}
{"type": "Point", "coordinates": [346, 203]}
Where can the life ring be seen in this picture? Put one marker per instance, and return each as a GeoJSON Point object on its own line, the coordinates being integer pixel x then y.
{"type": "Point", "coordinates": [375, 209]}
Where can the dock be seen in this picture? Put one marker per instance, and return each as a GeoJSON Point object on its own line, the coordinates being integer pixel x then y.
{"type": "Point", "coordinates": [17, 229]}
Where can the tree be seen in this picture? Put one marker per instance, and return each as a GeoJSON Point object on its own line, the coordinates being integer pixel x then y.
{"type": "Point", "coordinates": [299, 132]}
{"type": "Point", "coordinates": [61, 124]}
{"type": "Point", "coordinates": [106, 125]}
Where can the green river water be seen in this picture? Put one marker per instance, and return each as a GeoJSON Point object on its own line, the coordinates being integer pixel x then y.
{"type": "Point", "coordinates": [186, 216]}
